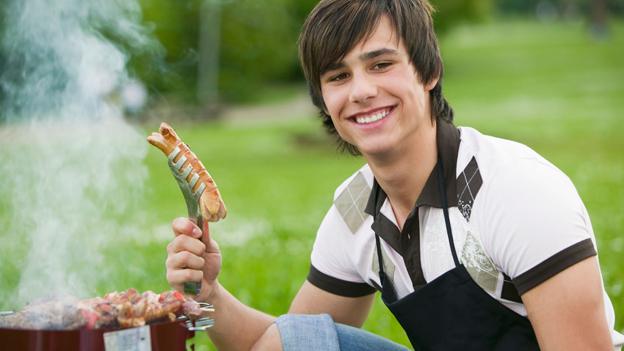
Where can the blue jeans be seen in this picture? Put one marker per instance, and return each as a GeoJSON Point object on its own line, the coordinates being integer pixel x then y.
{"type": "Point", "coordinates": [321, 333]}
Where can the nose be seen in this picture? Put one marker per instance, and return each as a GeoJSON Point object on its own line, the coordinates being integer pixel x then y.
{"type": "Point", "coordinates": [362, 88]}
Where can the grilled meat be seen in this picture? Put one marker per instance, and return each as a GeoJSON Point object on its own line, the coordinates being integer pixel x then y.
{"type": "Point", "coordinates": [191, 171]}
{"type": "Point", "coordinates": [118, 309]}
{"type": "Point", "coordinates": [53, 315]}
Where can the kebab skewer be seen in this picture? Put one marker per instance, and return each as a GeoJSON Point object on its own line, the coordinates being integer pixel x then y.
{"type": "Point", "coordinates": [124, 309]}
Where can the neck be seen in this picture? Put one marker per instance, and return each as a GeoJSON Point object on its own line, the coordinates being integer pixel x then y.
{"type": "Point", "coordinates": [403, 172]}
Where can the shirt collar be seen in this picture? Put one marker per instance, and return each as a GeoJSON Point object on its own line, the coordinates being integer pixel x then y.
{"type": "Point", "coordinates": [447, 140]}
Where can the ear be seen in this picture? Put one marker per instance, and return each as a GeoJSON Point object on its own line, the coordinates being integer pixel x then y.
{"type": "Point", "coordinates": [431, 84]}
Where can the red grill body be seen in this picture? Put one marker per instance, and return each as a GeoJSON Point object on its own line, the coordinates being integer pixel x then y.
{"type": "Point", "coordinates": [166, 336]}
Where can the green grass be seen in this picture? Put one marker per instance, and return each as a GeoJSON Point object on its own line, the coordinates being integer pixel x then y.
{"type": "Point", "coordinates": [548, 86]}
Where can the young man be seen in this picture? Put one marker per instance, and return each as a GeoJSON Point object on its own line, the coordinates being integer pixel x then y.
{"type": "Point", "coordinates": [475, 243]}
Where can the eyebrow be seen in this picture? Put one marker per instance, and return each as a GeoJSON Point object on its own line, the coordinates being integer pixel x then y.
{"type": "Point", "coordinates": [375, 53]}
{"type": "Point", "coordinates": [363, 57]}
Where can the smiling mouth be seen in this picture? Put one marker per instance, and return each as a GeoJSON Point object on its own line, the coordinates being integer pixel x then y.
{"type": "Point", "coordinates": [373, 117]}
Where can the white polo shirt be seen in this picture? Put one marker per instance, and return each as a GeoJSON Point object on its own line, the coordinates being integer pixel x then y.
{"type": "Point", "coordinates": [516, 221]}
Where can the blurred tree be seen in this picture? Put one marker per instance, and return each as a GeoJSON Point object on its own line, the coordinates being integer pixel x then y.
{"type": "Point", "coordinates": [175, 25]}
{"type": "Point", "coordinates": [209, 48]}
{"type": "Point", "coordinates": [615, 7]}
{"type": "Point", "coordinates": [258, 46]}
{"type": "Point", "coordinates": [595, 12]}
{"type": "Point", "coordinates": [255, 40]}
{"type": "Point", "coordinates": [452, 12]}
{"type": "Point", "coordinates": [598, 18]}
{"type": "Point", "coordinates": [3, 67]}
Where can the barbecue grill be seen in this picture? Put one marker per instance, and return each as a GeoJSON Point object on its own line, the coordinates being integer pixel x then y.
{"type": "Point", "coordinates": [61, 326]}
{"type": "Point", "coordinates": [161, 336]}
{"type": "Point", "coordinates": [165, 336]}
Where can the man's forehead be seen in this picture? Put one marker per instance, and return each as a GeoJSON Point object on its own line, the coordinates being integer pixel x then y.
{"type": "Point", "coordinates": [383, 32]}
{"type": "Point", "coordinates": [380, 39]}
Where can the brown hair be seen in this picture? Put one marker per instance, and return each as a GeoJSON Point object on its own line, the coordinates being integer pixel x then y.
{"type": "Point", "coordinates": [334, 27]}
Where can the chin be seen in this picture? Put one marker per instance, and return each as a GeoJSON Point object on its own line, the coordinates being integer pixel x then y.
{"type": "Point", "coordinates": [372, 150]}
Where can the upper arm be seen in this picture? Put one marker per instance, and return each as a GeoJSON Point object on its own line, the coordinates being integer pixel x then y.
{"type": "Point", "coordinates": [347, 310]}
{"type": "Point", "coordinates": [542, 238]}
{"type": "Point", "coordinates": [567, 311]}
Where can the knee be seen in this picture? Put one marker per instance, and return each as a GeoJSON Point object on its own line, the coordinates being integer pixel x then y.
{"type": "Point", "coordinates": [269, 341]}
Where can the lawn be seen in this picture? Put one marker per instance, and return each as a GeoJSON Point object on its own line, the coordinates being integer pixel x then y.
{"type": "Point", "coordinates": [549, 86]}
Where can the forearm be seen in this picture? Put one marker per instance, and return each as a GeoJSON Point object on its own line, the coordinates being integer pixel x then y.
{"type": "Point", "coordinates": [237, 326]}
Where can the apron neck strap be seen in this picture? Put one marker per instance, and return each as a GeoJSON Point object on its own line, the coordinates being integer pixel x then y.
{"type": "Point", "coordinates": [388, 292]}
{"type": "Point", "coordinates": [379, 255]}
{"type": "Point", "coordinates": [447, 221]}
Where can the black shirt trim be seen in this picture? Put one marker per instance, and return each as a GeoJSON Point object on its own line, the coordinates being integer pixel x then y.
{"type": "Point", "coordinates": [338, 286]}
{"type": "Point", "coordinates": [509, 291]}
{"type": "Point", "coordinates": [389, 233]}
{"type": "Point", "coordinates": [553, 265]}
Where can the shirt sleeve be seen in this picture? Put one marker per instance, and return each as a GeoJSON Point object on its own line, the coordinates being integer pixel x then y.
{"type": "Point", "coordinates": [331, 268]}
{"type": "Point", "coordinates": [535, 223]}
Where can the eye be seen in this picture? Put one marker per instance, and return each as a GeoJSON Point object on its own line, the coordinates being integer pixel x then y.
{"type": "Point", "coordinates": [380, 66]}
{"type": "Point", "coordinates": [338, 77]}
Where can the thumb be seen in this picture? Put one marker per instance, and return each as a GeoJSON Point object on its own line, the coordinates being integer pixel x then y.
{"type": "Point", "coordinates": [211, 245]}
{"type": "Point", "coordinates": [205, 232]}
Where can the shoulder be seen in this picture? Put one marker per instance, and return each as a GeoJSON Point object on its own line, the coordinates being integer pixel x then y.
{"type": "Point", "coordinates": [527, 211]}
{"type": "Point", "coordinates": [360, 179]}
{"type": "Point", "coordinates": [513, 173]}
{"type": "Point", "coordinates": [517, 176]}
{"type": "Point", "coordinates": [496, 154]}
{"type": "Point", "coordinates": [351, 197]}
{"type": "Point", "coordinates": [497, 176]}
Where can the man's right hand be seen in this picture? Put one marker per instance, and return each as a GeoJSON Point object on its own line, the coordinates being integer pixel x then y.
{"type": "Point", "coordinates": [193, 256]}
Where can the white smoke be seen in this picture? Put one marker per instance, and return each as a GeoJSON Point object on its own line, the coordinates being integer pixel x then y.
{"type": "Point", "coordinates": [70, 165]}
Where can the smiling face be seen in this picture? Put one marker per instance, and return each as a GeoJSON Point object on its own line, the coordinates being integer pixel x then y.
{"type": "Point", "coordinates": [374, 95]}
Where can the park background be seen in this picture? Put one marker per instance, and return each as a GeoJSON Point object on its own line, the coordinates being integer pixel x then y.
{"type": "Point", "coordinates": [86, 204]}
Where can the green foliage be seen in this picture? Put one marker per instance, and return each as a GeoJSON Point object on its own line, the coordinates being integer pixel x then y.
{"type": "Point", "coordinates": [257, 45]}
{"type": "Point", "coordinates": [257, 42]}
{"type": "Point", "coordinates": [174, 25]}
{"type": "Point", "coordinates": [450, 13]}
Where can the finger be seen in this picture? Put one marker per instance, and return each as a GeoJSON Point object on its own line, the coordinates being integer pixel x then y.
{"type": "Point", "coordinates": [184, 226]}
{"type": "Point", "coordinates": [186, 243]}
{"type": "Point", "coordinates": [183, 260]}
{"type": "Point", "coordinates": [182, 276]}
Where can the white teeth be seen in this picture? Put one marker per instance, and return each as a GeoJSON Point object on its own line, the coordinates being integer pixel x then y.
{"type": "Point", "coordinates": [372, 118]}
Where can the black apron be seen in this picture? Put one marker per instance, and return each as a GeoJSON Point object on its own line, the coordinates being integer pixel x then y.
{"type": "Point", "coordinates": [452, 312]}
